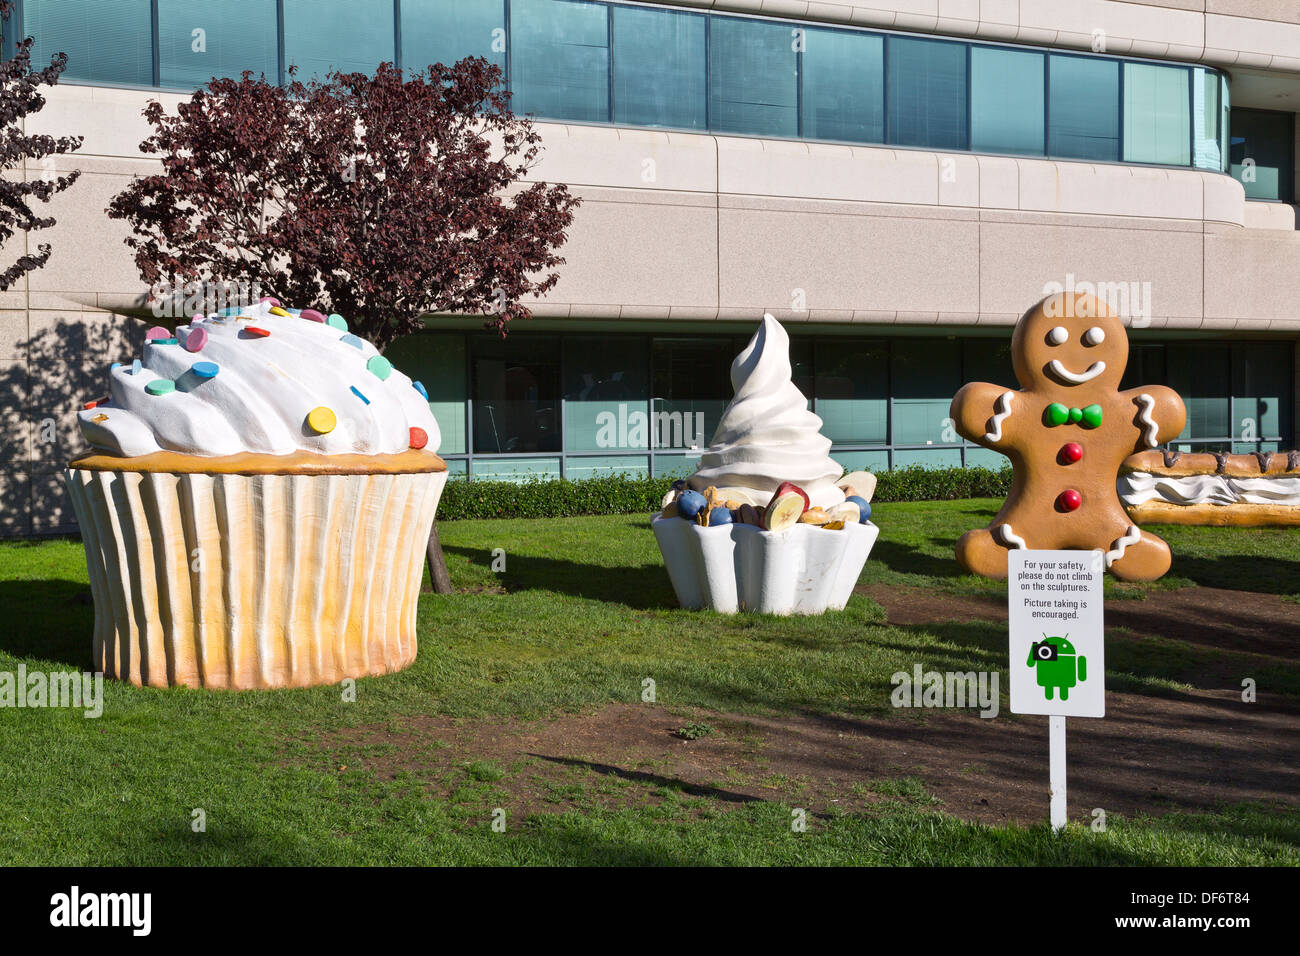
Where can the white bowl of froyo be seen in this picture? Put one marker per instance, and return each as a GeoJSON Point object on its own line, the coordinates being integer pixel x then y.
{"type": "Point", "coordinates": [768, 523]}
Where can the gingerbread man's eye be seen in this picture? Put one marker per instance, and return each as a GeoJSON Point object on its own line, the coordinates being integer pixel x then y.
{"type": "Point", "coordinates": [1057, 336]}
{"type": "Point", "coordinates": [1094, 336]}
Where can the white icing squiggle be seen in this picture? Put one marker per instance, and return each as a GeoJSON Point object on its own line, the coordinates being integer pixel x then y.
{"type": "Point", "coordinates": [1148, 406]}
{"type": "Point", "coordinates": [1009, 537]}
{"type": "Point", "coordinates": [767, 435]}
{"type": "Point", "coordinates": [1001, 409]}
{"type": "Point", "coordinates": [1132, 536]}
{"type": "Point", "coordinates": [1139, 487]}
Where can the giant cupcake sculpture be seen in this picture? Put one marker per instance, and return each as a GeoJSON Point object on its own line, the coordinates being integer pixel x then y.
{"type": "Point", "coordinates": [768, 523]}
{"type": "Point", "coordinates": [256, 506]}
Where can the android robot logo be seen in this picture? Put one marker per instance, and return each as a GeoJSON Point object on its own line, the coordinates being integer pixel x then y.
{"type": "Point", "coordinates": [1056, 666]}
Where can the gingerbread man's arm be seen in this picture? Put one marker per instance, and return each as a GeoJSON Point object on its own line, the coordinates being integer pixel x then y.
{"type": "Point", "coordinates": [979, 411]}
{"type": "Point", "coordinates": [1158, 414]}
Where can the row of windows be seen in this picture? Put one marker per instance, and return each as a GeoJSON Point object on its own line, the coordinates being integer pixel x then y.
{"type": "Point", "coordinates": [581, 404]}
{"type": "Point", "coordinates": [645, 66]}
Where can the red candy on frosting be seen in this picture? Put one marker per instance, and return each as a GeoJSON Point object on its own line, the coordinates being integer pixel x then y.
{"type": "Point", "coordinates": [1069, 500]}
{"type": "Point", "coordinates": [419, 437]}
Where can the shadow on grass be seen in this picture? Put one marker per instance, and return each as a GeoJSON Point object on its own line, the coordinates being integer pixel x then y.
{"type": "Point", "coordinates": [653, 779]}
{"type": "Point", "coordinates": [1241, 572]}
{"type": "Point", "coordinates": [645, 587]}
{"type": "Point", "coordinates": [52, 620]}
{"type": "Point", "coordinates": [908, 559]}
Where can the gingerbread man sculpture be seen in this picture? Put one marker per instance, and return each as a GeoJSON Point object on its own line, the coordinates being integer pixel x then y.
{"type": "Point", "coordinates": [1066, 431]}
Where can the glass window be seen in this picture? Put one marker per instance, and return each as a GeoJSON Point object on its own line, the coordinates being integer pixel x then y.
{"type": "Point", "coordinates": [692, 386]}
{"type": "Point", "coordinates": [351, 36]}
{"type": "Point", "coordinates": [861, 460]}
{"type": "Point", "coordinates": [1083, 120]}
{"type": "Point", "coordinates": [1157, 114]}
{"type": "Point", "coordinates": [928, 457]}
{"type": "Point", "coordinates": [659, 75]}
{"type": "Point", "coordinates": [516, 387]}
{"type": "Point", "coordinates": [753, 77]}
{"type": "Point", "coordinates": [1261, 392]}
{"type": "Point", "coordinates": [1202, 376]}
{"type": "Point", "coordinates": [606, 394]}
{"type": "Point", "coordinates": [1263, 143]}
{"type": "Point", "coordinates": [446, 31]}
{"type": "Point", "coordinates": [437, 361]}
{"type": "Point", "coordinates": [1006, 93]}
{"type": "Point", "coordinates": [926, 374]}
{"type": "Point", "coordinates": [559, 59]}
{"type": "Point", "coordinates": [927, 93]}
{"type": "Point", "coordinates": [637, 466]}
{"type": "Point", "coordinates": [516, 469]}
{"type": "Point", "coordinates": [977, 457]}
{"type": "Point", "coordinates": [676, 466]}
{"type": "Point", "coordinates": [198, 40]}
{"type": "Point", "coordinates": [852, 391]}
{"type": "Point", "coordinates": [843, 77]}
{"type": "Point", "coordinates": [1206, 114]}
{"type": "Point", "coordinates": [1225, 121]}
{"type": "Point", "coordinates": [1146, 365]}
{"type": "Point", "coordinates": [988, 360]}
{"type": "Point", "coordinates": [108, 41]}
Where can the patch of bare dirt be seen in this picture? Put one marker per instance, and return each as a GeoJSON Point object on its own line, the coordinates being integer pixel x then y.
{"type": "Point", "coordinates": [1149, 755]}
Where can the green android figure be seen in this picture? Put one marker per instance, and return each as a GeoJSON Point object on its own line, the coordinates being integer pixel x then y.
{"type": "Point", "coordinates": [1057, 667]}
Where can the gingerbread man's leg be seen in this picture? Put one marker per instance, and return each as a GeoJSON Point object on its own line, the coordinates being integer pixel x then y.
{"type": "Point", "coordinates": [979, 552]}
{"type": "Point", "coordinates": [1136, 555]}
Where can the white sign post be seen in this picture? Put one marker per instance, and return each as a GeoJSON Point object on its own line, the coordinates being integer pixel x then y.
{"type": "Point", "coordinates": [1058, 655]}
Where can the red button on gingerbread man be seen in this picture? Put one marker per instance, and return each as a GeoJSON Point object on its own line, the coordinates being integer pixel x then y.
{"type": "Point", "coordinates": [1066, 432]}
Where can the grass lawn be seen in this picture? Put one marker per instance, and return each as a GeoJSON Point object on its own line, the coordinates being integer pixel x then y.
{"type": "Point", "coordinates": [582, 615]}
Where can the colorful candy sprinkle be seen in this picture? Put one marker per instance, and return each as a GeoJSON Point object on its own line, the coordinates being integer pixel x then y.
{"type": "Point", "coordinates": [379, 367]}
{"type": "Point", "coordinates": [271, 299]}
{"type": "Point", "coordinates": [353, 341]}
{"type": "Point", "coordinates": [136, 366]}
{"type": "Point", "coordinates": [419, 387]}
{"type": "Point", "coordinates": [196, 340]}
{"type": "Point", "coordinates": [101, 417]}
{"type": "Point", "coordinates": [205, 369]}
{"type": "Point", "coordinates": [163, 342]}
{"type": "Point", "coordinates": [357, 392]}
{"type": "Point", "coordinates": [321, 420]}
{"type": "Point", "coordinates": [157, 332]}
{"type": "Point", "coordinates": [256, 332]}
{"type": "Point", "coordinates": [89, 405]}
{"type": "Point", "coordinates": [337, 321]}
{"type": "Point", "coordinates": [311, 315]}
{"type": "Point", "coordinates": [419, 437]}
{"type": "Point", "coordinates": [276, 310]}
{"type": "Point", "coordinates": [115, 366]}
{"type": "Point", "coordinates": [160, 386]}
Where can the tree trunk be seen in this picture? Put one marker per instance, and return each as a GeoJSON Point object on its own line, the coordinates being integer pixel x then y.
{"type": "Point", "coordinates": [437, 562]}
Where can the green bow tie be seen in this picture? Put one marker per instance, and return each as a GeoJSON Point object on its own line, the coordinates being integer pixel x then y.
{"type": "Point", "coordinates": [1058, 414]}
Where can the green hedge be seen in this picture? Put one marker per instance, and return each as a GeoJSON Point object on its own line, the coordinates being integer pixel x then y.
{"type": "Point", "coordinates": [621, 494]}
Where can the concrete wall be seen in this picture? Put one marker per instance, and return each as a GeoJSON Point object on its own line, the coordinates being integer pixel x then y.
{"type": "Point", "coordinates": [693, 227]}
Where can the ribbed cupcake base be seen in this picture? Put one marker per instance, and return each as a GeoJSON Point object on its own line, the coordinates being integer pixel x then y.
{"type": "Point", "coordinates": [253, 581]}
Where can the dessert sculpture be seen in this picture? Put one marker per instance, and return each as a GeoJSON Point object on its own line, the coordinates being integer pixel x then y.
{"type": "Point", "coordinates": [256, 505]}
{"type": "Point", "coordinates": [767, 523]}
{"type": "Point", "coordinates": [1212, 489]}
{"type": "Point", "coordinates": [1066, 432]}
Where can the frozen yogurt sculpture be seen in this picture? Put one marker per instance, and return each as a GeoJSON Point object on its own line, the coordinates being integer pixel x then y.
{"type": "Point", "coordinates": [256, 505]}
{"type": "Point", "coordinates": [768, 523]}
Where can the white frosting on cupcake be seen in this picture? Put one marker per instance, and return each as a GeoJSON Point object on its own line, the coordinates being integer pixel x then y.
{"type": "Point", "coordinates": [261, 382]}
{"type": "Point", "coordinates": [767, 435]}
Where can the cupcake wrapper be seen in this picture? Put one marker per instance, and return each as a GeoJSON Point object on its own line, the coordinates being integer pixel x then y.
{"type": "Point", "coordinates": [739, 567]}
{"type": "Point", "coordinates": [252, 581]}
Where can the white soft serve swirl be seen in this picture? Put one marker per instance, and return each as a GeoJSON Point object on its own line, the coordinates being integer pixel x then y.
{"type": "Point", "coordinates": [261, 395]}
{"type": "Point", "coordinates": [767, 435]}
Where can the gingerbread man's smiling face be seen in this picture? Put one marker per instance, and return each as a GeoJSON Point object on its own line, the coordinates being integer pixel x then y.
{"type": "Point", "coordinates": [1069, 340]}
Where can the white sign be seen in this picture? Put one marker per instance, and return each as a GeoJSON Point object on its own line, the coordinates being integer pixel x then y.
{"type": "Point", "coordinates": [1058, 661]}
